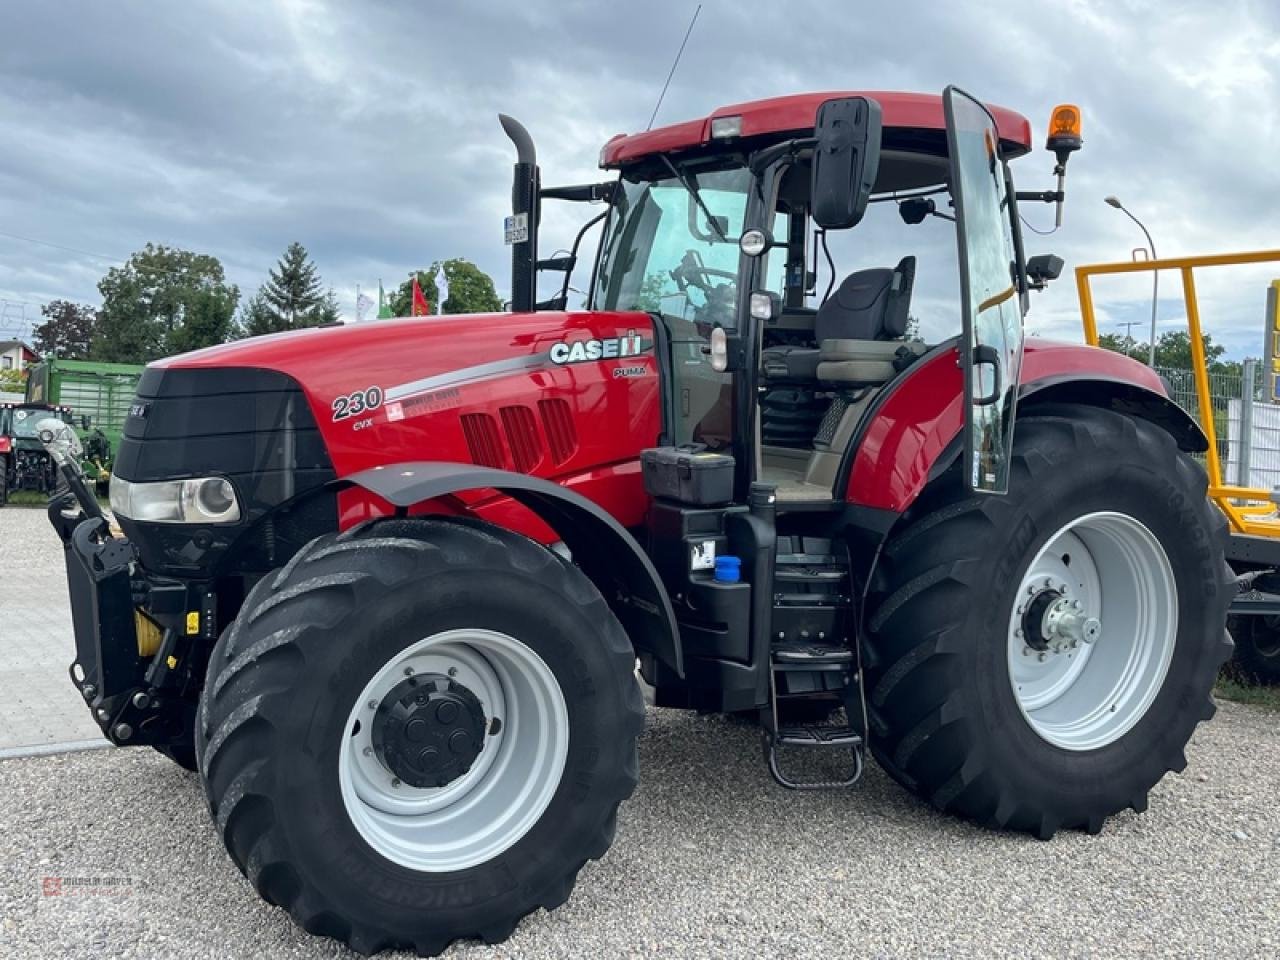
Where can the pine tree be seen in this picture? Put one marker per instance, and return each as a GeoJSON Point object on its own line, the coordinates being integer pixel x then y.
{"type": "Point", "coordinates": [293, 296]}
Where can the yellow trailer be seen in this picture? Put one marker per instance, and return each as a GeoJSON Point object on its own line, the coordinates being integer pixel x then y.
{"type": "Point", "coordinates": [1253, 513]}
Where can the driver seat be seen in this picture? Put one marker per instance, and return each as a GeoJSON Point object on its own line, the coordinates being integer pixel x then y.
{"type": "Point", "coordinates": [858, 330]}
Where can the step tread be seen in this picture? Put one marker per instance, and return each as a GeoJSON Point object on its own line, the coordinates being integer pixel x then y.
{"type": "Point", "coordinates": [817, 735]}
{"type": "Point", "coordinates": [816, 653]}
{"type": "Point", "coordinates": [808, 574]}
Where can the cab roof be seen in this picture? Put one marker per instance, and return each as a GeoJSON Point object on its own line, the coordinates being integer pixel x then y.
{"type": "Point", "coordinates": [901, 112]}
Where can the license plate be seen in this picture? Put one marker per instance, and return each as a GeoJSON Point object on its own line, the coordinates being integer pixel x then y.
{"type": "Point", "coordinates": [515, 229]}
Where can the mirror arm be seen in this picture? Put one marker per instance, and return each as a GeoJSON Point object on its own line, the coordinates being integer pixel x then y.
{"type": "Point", "coordinates": [1041, 196]}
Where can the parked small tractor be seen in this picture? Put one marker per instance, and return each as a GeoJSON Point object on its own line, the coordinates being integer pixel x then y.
{"type": "Point", "coordinates": [24, 462]}
{"type": "Point", "coordinates": [385, 586]}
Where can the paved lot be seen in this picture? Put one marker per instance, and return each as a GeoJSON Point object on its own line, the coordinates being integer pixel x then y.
{"type": "Point", "coordinates": [38, 704]}
{"type": "Point", "coordinates": [712, 860]}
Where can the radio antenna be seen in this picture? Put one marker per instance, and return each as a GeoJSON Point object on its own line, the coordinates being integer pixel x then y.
{"type": "Point", "coordinates": [674, 64]}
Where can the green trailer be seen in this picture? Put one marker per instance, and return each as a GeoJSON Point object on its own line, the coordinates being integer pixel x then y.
{"type": "Point", "coordinates": [100, 391]}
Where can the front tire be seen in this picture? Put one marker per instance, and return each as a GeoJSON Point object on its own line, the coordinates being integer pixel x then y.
{"type": "Point", "coordinates": [419, 731]}
{"type": "Point", "coordinates": [1039, 660]}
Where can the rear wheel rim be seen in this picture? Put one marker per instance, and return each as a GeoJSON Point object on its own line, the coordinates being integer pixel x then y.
{"type": "Point", "coordinates": [1092, 685]}
{"type": "Point", "coordinates": [510, 784]}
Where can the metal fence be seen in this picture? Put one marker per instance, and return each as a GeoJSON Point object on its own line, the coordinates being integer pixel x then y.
{"type": "Point", "coordinates": [1248, 428]}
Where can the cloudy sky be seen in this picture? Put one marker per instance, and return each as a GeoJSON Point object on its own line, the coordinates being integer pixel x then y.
{"type": "Point", "coordinates": [367, 130]}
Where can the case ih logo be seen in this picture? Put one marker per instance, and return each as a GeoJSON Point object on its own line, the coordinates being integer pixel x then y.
{"type": "Point", "coordinates": [608, 348]}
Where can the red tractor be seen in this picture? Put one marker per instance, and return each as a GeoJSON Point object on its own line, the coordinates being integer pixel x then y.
{"type": "Point", "coordinates": [385, 586]}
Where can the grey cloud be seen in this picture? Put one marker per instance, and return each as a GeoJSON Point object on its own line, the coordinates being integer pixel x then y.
{"type": "Point", "coordinates": [368, 132]}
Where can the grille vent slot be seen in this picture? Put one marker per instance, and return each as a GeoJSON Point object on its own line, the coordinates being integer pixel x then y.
{"type": "Point", "coordinates": [557, 421]}
{"type": "Point", "coordinates": [522, 437]}
{"type": "Point", "coordinates": [483, 440]}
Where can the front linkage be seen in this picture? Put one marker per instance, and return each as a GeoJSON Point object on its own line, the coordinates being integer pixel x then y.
{"type": "Point", "coordinates": [134, 634]}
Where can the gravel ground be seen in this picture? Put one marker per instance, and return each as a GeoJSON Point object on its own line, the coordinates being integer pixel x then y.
{"type": "Point", "coordinates": [711, 860]}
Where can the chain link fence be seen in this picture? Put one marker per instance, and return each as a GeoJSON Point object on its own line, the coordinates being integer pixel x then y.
{"type": "Point", "coordinates": [1247, 426]}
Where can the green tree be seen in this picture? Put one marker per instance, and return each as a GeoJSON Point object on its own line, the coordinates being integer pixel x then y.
{"type": "Point", "coordinates": [148, 303]}
{"type": "Point", "coordinates": [292, 298]}
{"type": "Point", "coordinates": [67, 331]}
{"type": "Point", "coordinates": [12, 381]}
{"type": "Point", "coordinates": [471, 290]}
{"type": "Point", "coordinates": [1173, 351]}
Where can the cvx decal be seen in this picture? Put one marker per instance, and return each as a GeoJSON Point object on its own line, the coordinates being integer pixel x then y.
{"type": "Point", "coordinates": [606, 348]}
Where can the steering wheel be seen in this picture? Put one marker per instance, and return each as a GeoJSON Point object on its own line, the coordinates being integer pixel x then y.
{"type": "Point", "coordinates": [692, 272]}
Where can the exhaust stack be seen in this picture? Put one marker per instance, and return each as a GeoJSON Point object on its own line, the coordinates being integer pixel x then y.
{"type": "Point", "coordinates": [525, 186]}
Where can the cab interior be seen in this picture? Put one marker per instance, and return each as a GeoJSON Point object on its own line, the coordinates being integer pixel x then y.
{"type": "Point", "coordinates": [833, 345]}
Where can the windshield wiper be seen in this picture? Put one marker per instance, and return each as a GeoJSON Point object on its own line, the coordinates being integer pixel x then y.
{"type": "Point", "coordinates": [692, 189]}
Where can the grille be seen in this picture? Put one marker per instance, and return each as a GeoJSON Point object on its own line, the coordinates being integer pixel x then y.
{"type": "Point", "coordinates": [483, 440]}
{"type": "Point", "coordinates": [522, 436]}
{"type": "Point", "coordinates": [557, 421]}
{"type": "Point", "coordinates": [827, 429]}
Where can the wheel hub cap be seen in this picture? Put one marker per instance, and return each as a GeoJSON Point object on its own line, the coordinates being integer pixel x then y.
{"type": "Point", "coordinates": [428, 730]}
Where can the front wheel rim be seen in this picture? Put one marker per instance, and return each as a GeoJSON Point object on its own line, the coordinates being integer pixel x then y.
{"type": "Point", "coordinates": [1085, 687]}
{"type": "Point", "coordinates": [509, 785]}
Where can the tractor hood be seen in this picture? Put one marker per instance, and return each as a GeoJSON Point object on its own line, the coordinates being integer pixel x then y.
{"type": "Point", "coordinates": [371, 385]}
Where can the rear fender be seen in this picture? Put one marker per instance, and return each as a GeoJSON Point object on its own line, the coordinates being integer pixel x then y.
{"type": "Point", "coordinates": [913, 431]}
{"type": "Point", "coordinates": [601, 546]}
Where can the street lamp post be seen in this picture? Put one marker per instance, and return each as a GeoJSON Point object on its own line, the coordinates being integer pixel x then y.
{"type": "Point", "coordinates": [1155, 274]}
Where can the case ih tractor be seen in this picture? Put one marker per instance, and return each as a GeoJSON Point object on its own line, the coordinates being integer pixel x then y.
{"type": "Point", "coordinates": [385, 586]}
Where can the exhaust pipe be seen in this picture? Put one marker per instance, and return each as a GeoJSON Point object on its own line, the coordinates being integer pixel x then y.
{"type": "Point", "coordinates": [525, 186]}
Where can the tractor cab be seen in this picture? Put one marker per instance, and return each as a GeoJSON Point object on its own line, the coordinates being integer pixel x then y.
{"type": "Point", "coordinates": [722, 228]}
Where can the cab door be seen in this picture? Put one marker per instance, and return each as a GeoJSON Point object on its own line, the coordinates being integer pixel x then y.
{"type": "Point", "coordinates": [991, 347]}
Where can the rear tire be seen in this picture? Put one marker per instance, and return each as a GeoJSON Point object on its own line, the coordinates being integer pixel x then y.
{"type": "Point", "coordinates": [4, 481]}
{"type": "Point", "coordinates": [1257, 658]}
{"type": "Point", "coordinates": [951, 718]}
{"type": "Point", "coordinates": [324, 826]}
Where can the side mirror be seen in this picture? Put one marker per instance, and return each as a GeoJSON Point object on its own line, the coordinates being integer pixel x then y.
{"type": "Point", "coordinates": [1042, 268]}
{"type": "Point", "coordinates": [845, 161]}
{"type": "Point", "coordinates": [86, 423]}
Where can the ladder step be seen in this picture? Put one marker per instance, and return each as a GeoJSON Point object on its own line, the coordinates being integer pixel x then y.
{"type": "Point", "coordinates": [818, 735]}
{"type": "Point", "coordinates": [808, 574]}
{"type": "Point", "coordinates": [812, 654]}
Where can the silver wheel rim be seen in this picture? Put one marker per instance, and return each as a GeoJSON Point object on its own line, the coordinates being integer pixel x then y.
{"type": "Point", "coordinates": [508, 787]}
{"type": "Point", "coordinates": [1111, 578]}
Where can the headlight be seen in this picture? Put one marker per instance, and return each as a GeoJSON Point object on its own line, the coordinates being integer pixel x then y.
{"type": "Point", "coordinates": [206, 500]}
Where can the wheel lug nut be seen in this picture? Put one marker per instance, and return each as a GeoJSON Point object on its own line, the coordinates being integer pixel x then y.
{"type": "Point", "coordinates": [368, 751]}
{"type": "Point", "coordinates": [453, 671]}
{"type": "Point", "coordinates": [408, 671]}
{"type": "Point", "coordinates": [372, 704]}
{"type": "Point", "coordinates": [395, 782]}
{"type": "Point", "coordinates": [1044, 655]}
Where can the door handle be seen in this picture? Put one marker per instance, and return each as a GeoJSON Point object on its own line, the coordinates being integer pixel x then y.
{"type": "Point", "coordinates": [983, 355]}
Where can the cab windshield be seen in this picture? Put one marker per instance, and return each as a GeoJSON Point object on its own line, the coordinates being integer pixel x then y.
{"type": "Point", "coordinates": [21, 422]}
{"type": "Point", "coordinates": [663, 255]}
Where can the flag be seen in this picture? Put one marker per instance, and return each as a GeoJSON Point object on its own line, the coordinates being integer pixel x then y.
{"type": "Point", "coordinates": [363, 303]}
{"type": "Point", "coordinates": [420, 306]}
{"type": "Point", "coordinates": [442, 287]}
{"type": "Point", "coordinates": [384, 312]}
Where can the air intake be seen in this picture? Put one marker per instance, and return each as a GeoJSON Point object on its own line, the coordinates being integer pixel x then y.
{"type": "Point", "coordinates": [557, 421]}
{"type": "Point", "coordinates": [483, 440]}
{"type": "Point", "coordinates": [522, 437]}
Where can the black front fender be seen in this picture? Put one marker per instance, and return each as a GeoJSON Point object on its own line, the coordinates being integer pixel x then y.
{"type": "Point", "coordinates": [601, 546]}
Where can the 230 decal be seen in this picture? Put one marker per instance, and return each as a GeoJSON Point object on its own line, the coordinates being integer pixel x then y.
{"type": "Point", "coordinates": [355, 403]}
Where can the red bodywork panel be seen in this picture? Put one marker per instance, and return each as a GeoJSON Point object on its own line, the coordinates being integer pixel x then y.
{"type": "Point", "coordinates": [918, 420]}
{"type": "Point", "coordinates": [911, 111]}
{"type": "Point", "coordinates": [5, 444]}
{"type": "Point", "coordinates": [476, 389]}
{"type": "Point", "coordinates": [485, 389]}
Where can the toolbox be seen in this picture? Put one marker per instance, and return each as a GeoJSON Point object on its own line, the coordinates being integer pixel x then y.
{"type": "Point", "coordinates": [688, 474]}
